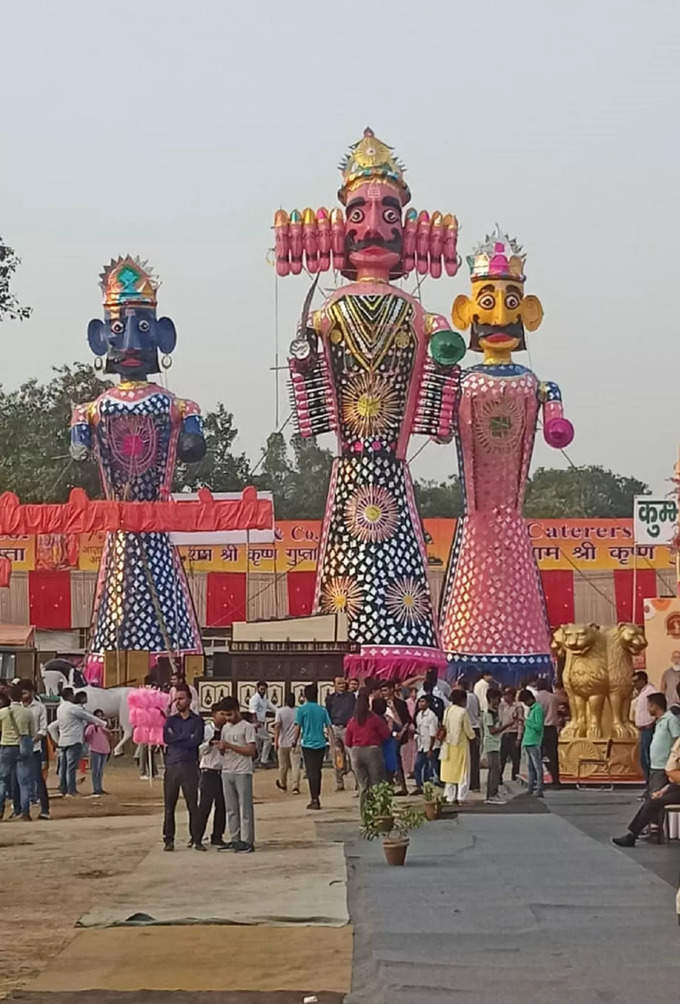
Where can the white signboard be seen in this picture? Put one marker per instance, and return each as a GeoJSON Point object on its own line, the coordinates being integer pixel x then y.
{"type": "Point", "coordinates": [655, 519]}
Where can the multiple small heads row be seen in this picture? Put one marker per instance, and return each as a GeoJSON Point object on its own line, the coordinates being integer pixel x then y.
{"type": "Point", "coordinates": [24, 692]}
{"type": "Point", "coordinates": [374, 239]}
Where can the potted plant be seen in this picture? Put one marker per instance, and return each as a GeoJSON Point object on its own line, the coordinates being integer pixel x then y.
{"type": "Point", "coordinates": [381, 804]}
{"type": "Point", "coordinates": [378, 810]}
{"type": "Point", "coordinates": [433, 799]}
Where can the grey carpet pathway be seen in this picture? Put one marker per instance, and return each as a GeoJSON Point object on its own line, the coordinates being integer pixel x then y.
{"type": "Point", "coordinates": [513, 908]}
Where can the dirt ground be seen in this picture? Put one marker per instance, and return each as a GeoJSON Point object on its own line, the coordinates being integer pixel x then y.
{"type": "Point", "coordinates": [55, 871]}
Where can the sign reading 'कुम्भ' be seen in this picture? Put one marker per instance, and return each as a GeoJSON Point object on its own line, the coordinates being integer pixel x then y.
{"type": "Point", "coordinates": [655, 519]}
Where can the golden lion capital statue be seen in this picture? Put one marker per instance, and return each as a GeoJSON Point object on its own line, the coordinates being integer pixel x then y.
{"type": "Point", "coordinates": [598, 678]}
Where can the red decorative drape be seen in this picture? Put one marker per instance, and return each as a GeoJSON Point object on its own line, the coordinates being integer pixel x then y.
{"type": "Point", "coordinates": [226, 599]}
{"type": "Point", "coordinates": [645, 586]}
{"type": "Point", "coordinates": [300, 593]}
{"type": "Point", "coordinates": [558, 585]}
{"type": "Point", "coordinates": [49, 598]}
{"type": "Point", "coordinates": [80, 515]}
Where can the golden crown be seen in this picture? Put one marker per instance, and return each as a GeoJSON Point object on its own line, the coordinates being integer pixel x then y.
{"type": "Point", "coordinates": [128, 281]}
{"type": "Point", "coordinates": [497, 257]}
{"type": "Point", "coordinates": [371, 159]}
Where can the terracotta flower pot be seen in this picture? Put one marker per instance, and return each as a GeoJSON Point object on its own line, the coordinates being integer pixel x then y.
{"type": "Point", "coordinates": [384, 824]}
{"type": "Point", "coordinates": [395, 850]}
{"type": "Point", "coordinates": [433, 810]}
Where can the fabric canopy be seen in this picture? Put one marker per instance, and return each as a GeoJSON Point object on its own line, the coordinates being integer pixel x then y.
{"type": "Point", "coordinates": [82, 515]}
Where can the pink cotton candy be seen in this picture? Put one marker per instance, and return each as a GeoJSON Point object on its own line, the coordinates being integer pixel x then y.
{"type": "Point", "coordinates": [147, 709]}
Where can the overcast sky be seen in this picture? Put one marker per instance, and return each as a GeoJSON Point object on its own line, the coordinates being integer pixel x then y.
{"type": "Point", "coordinates": [174, 130]}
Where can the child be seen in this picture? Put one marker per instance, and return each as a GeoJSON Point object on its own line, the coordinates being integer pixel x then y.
{"type": "Point", "coordinates": [427, 726]}
{"type": "Point", "coordinates": [239, 746]}
{"type": "Point", "coordinates": [491, 745]}
{"type": "Point", "coordinates": [98, 738]}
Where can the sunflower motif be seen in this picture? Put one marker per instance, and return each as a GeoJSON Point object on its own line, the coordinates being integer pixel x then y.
{"type": "Point", "coordinates": [341, 595]}
{"type": "Point", "coordinates": [407, 600]}
{"type": "Point", "coordinates": [370, 406]}
{"type": "Point", "coordinates": [371, 514]}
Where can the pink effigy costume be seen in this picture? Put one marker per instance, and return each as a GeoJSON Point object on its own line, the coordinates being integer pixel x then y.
{"type": "Point", "coordinates": [493, 611]}
{"type": "Point", "coordinates": [374, 367]}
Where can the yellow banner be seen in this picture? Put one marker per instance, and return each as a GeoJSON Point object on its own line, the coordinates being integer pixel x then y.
{"type": "Point", "coordinates": [595, 544]}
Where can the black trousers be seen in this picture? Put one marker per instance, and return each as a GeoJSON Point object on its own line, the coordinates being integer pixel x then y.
{"type": "Point", "coordinates": [181, 777]}
{"type": "Point", "coordinates": [549, 752]}
{"type": "Point", "coordinates": [211, 792]}
{"type": "Point", "coordinates": [651, 810]}
{"type": "Point", "coordinates": [510, 750]}
{"type": "Point", "coordinates": [313, 764]}
{"type": "Point", "coordinates": [474, 762]}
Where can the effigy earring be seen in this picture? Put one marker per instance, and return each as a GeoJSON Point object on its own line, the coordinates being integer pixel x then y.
{"type": "Point", "coordinates": [98, 363]}
{"type": "Point", "coordinates": [166, 362]}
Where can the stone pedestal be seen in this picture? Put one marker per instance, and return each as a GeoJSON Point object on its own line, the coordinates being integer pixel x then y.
{"type": "Point", "coordinates": [623, 767]}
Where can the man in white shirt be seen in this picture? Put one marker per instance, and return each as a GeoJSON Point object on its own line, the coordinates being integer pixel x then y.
{"type": "Point", "coordinates": [260, 706]}
{"type": "Point", "coordinates": [426, 728]}
{"type": "Point", "coordinates": [238, 744]}
{"type": "Point", "coordinates": [39, 713]}
{"type": "Point", "coordinates": [210, 788]}
{"type": "Point", "coordinates": [481, 687]}
{"type": "Point", "coordinates": [644, 721]}
{"type": "Point", "coordinates": [69, 726]}
{"type": "Point", "coordinates": [670, 680]}
{"type": "Point", "coordinates": [285, 734]}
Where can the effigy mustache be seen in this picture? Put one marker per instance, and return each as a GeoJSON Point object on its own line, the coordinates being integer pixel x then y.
{"type": "Point", "coordinates": [515, 329]}
{"type": "Point", "coordinates": [393, 244]}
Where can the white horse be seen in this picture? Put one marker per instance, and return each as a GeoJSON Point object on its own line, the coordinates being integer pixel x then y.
{"type": "Point", "coordinates": [113, 701]}
{"type": "Point", "coordinates": [54, 680]}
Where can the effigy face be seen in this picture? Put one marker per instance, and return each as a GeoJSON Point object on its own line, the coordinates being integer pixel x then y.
{"type": "Point", "coordinates": [373, 229]}
{"type": "Point", "coordinates": [130, 336]}
{"type": "Point", "coordinates": [497, 312]}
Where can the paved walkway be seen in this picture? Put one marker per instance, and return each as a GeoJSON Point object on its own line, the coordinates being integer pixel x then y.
{"type": "Point", "coordinates": [514, 908]}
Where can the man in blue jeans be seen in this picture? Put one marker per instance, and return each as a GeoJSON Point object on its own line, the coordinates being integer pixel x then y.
{"type": "Point", "coordinates": [70, 727]}
{"type": "Point", "coordinates": [532, 741]}
{"type": "Point", "coordinates": [39, 713]}
{"type": "Point", "coordinates": [16, 728]}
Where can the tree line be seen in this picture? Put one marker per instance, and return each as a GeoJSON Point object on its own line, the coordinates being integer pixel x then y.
{"type": "Point", "coordinates": [35, 462]}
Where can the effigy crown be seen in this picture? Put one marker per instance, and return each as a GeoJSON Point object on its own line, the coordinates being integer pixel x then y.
{"type": "Point", "coordinates": [498, 256]}
{"type": "Point", "coordinates": [371, 159]}
{"type": "Point", "coordinates": [128, 281]}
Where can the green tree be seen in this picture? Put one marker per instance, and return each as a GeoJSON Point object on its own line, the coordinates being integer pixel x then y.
{"type": "Point", "coordinates": [590, 492]}
{"type": "Point", "coordinates": [275, 468]}
{"type": "Point", "coordinates": [220, 469]}
{"type": "Point", "coordinates": [439, 498]}
{"type": "Point", "coordinates": [309, 479]}
{"type": "Point", "coordinates": [10, 307]}
{"type": "Point", "coordinates": [34, 430]}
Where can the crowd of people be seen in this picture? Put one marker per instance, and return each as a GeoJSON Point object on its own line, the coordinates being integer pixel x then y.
{"type": "Point", "coordinates": [424, 731]}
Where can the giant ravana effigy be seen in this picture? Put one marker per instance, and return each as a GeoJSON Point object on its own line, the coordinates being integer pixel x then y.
{"type": "Point", "coordinates": [493, 608]}
{"type": "Point", "coordinates": [137, 430]}
{"type": "Point", "coordinates": [374, 367]}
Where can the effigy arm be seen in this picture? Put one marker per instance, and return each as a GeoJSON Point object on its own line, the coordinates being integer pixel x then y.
{"type": "Point", "coordinates": [81, 433]}
{"type": "Point", "coordinates": [191, 442]}
{"type": "Point", "coordinates": [557, 430]}
{"type": "Point", "coordinates": [310, 386]}
{"type": "Point", "coordinates": [440, 383]}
